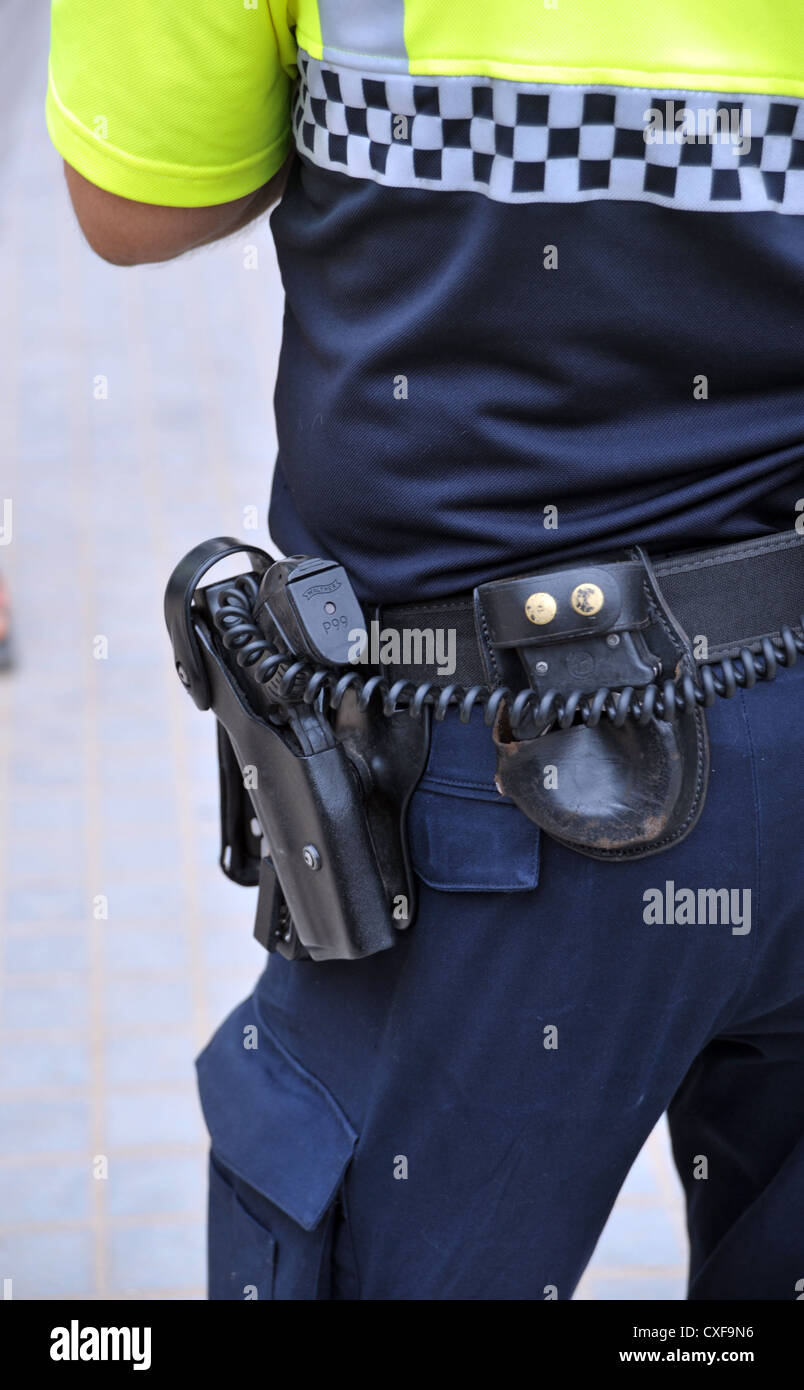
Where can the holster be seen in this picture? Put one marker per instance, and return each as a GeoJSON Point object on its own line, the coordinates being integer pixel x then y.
{"type": "Point", "coordinates": [312, 809]}
{"type": "Point", "coordinates": [619, 790]}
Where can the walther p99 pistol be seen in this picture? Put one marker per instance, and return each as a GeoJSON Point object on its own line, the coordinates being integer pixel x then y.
{"type": "Point", "coordinates": [313, 802]}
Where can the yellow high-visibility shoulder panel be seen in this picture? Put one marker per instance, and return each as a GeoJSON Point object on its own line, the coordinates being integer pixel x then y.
{"type": "Point", "coordinates": [698, 44]}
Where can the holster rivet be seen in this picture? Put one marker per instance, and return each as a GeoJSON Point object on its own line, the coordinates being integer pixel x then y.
{"type": "Point", "coordinates": [311, 857]}
{"type": "Point", "coordinates": [587, 599]}
{"type": "Point", "coordinates": [540, 608]}
{"type": "Point", "coordinates": [613, 639]}
{"type": "Point", "coordinates": [541, 668]}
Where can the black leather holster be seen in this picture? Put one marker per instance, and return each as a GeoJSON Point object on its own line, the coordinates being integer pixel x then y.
{"type": "Point", "coordinates": [313, 804]}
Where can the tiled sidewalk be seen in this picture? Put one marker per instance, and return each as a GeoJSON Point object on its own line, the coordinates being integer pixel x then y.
{"type": "Point", "coordinates": [135, 414]}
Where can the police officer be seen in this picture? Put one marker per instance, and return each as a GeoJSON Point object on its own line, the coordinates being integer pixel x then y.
{"type": "Point", "coordinates": [544, 268]}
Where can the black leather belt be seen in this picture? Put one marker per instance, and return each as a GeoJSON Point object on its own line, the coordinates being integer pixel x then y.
{"type": "Point", "coordinates": [606, 748]}
{"type": "Point", "coordinates": [731, 595]}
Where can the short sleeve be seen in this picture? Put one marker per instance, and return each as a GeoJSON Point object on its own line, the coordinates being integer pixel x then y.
{"type": "Point", "coordinates": [184, 105]}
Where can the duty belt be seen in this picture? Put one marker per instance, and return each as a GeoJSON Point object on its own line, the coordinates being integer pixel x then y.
{"type": "Point", "coordinates": [621, 656]}
{"type": "Point", "coordinates": [733, 596]}
{"type": "Point", "coordinates": [628, 770]}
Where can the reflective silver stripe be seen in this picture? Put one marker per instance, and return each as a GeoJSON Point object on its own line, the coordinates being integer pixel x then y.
{"type": "Point", "coordinates": [373, 30]}
{"type": "Point", "coordinates": [523, 142]}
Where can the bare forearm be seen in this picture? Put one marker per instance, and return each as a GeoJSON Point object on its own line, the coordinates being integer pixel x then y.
{"type": "Point", "coordinates": [129, 233]}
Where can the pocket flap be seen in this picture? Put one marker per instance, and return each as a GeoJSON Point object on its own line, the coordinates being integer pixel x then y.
{"type": "Point", "coordinates": [471, 841]}
{"type": "Point", "coordinates": [271, 1121]}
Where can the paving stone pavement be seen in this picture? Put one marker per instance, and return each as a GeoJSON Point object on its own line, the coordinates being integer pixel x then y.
{"type": "Point", "coordinates": [135, 419]}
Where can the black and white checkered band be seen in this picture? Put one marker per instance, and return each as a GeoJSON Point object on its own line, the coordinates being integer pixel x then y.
{"type": "Point", "coordinates": [518, 142]}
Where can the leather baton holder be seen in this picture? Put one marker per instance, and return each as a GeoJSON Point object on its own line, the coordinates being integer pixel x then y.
{"type": "Point", "coordinates": [612, 791]}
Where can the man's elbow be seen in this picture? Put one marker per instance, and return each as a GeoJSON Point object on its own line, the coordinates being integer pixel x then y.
{"type": "Point", "coordinates": [118, 252]}
{"type": "Point", "coordinates": [121, 254]}
{"type": "Point", "coordinates": [126, 233]}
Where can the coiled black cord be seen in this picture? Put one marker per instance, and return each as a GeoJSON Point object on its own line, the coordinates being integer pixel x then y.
{"type": "Point", "coordinates": [299, 680]}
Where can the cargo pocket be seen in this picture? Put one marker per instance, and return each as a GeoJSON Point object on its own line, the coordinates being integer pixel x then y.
{"type": "Point", "coordinates": [280, 1146]}
{"type": "Point", "coordinates": [467, 839]}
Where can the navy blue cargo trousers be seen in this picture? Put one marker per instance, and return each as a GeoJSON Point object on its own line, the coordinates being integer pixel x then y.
{"type": "Point", "coordinates": [453, 1118]}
